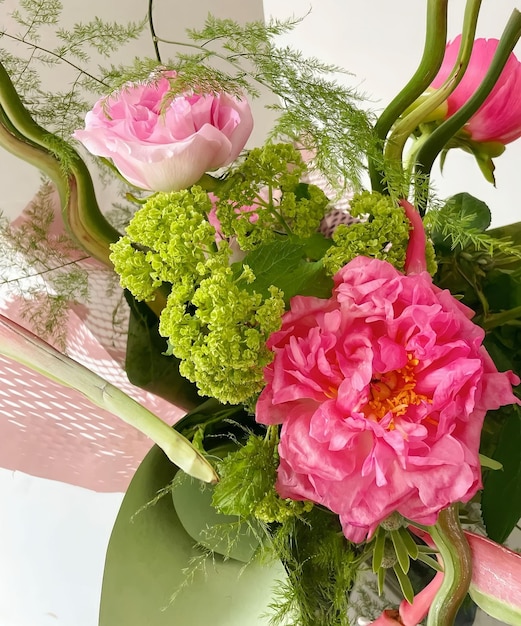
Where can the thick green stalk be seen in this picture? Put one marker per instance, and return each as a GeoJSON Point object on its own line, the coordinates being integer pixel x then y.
{"type": "Point", "coordinates": [79, 204]}
{"type": "Point", "coordinates": [434, 50]}
{"type": "Point", "coordinates": [442, 135]}
{"type": "Point", "coordinates": [19, 344]}
{"type": "Point", "coordinates": [405, 127]}
{"type": "Point", "coordinates": [455, 552]}
{"type": "Point", "coordinates": [35, 155]}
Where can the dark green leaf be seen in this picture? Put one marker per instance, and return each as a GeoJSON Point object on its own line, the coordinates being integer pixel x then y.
{"type": "Point", "coordinates": [284, 265]}
{"type": "Point", "coordinates": [501, 499]}
{"type": "Point", "coordinates": [474, 213]}
{"type": "Point", "coordinates": [469, 206]}
{"type": "Point", "coordinates": [146, 365]}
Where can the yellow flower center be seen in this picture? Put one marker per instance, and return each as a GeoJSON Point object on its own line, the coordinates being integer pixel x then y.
{"type": "Point", "coordinates": [394, 392]}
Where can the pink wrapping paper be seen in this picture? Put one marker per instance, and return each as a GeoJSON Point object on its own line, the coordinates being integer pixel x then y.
{"type": "Point", "coordinates": [51, 431]}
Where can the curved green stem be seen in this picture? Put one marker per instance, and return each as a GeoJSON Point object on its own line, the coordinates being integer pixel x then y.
{"type": "Point", "coordinates": [406, 126]}
{"type": "Point", "coordinates": [440, 137]}
{"type": "Point", "coordinates": [455, 552]}
{"type": "Point", "coordinates": [434, 50]}
{"type": "Point", "coordinates": [25, 138]}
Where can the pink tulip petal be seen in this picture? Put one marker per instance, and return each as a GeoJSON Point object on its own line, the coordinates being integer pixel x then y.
{"type": "Point", "coordinates": [499, 117]}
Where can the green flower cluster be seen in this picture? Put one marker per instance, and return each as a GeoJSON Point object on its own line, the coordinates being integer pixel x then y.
{"type": "Point", "coordinates": [215, 322]}
{"type": "Point", "coordinates": [384, 234]}
{"type": "Point", "coordinates": [264, 198]}
{"type": "Point", "coordinates": [220, 336]}
{"type": "Point", "coordinates": [168, 241]}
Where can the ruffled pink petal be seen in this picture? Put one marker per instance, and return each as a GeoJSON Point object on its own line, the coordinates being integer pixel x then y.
{"type": "Point", "coordinates": [171, 149]}
{"type": "Point", "coordinates": [381, 392]}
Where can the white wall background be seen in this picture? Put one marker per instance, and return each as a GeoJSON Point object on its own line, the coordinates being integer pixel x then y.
{"type": "Point", "coordinates": [53, 536]}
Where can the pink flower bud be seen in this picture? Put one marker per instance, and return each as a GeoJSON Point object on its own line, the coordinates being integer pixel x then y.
{"type": "Point", "coordinates": [498, 120]}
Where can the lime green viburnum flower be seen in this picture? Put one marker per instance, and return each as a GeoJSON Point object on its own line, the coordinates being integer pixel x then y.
{"type": "Point", "coordinates": [214, 320]}
{"type": "Point", "coordinates": [383, 234]}
{"type": "Point", "coordinates": [268, 182]}
{"type": "Point", "coordinates": [221, 337]}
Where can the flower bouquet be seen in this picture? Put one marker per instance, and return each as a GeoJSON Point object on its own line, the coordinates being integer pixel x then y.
{"type": "Point", "coordinates": [346, 342]}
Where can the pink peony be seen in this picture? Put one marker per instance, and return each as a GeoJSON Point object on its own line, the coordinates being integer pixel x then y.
{"type": "Point", "coordinates": [499, 117]}
{"type": "Point", "coordinates": [166, 150]}
{"type": "Point", "coordinates": [381, 392]}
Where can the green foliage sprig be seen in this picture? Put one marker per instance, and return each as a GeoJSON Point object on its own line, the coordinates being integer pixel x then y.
{"type": "Point", "coordinates": [42, 269]}
{"type": "Point", "coordinates": [242, 59]}
{"type": "Point", "coordinates": [72, 49]}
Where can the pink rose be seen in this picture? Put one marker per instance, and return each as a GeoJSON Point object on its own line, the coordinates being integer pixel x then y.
{"type": "Point", "coordinates": [381, 392]}
{"type": "Point", "coordinates": [499, 117]}
{"type": "Point", "coordinates": [171, 149]}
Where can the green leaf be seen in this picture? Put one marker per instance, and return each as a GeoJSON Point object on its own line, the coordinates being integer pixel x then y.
{"type": "Point", "coordinates": [409, 543]}
{"type": "Point", "coordinates": [381, 580]}
{"type": "Point", "coordinates": [489, 463]}
{"type": "Point", "coordinates": [465, 209]}
{"type": "Point", "coordinates": [428, 560]}
{"type": "Point", "coordinates": [401, 551]}
{"type": "Point", "coordinates": [471, 207]}
{"type": "Point", "coordinates": [501, 498]}
{"type": "Point", "coordinates": [378, 550]}
{"type": "Point", "coordinates": [316, 246]}
{"type": "Point", "coordinates": [148, 557]}
{"type": "Point", "coordinates": [146, 364]}
{"type": "Point", "coordinates": [510, 231]}
{"type": "Point", "coordinates": [284, 264]}
{"type": "Point", "coordinates": [405, 583]}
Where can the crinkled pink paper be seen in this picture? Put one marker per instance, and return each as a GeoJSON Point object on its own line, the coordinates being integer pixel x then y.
{"type": "Point", "coordinates": [52, 431]}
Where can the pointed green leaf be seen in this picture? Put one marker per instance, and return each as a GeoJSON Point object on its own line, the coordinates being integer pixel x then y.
{"type": "Point", "coordinates": [378, 550]}
{"type": "Point", "coordinates": [425, 558]}
{"type": "Point", "coordinates": [401, 551]}
{"type": "Point", "coordinates": [405, 583]}
{"type": "Point", "coordinates": [409, 543]}
{"type": "Point", "coordinates": [381, 580]}
{"type": "Point", "coordinates": [488, 463]}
